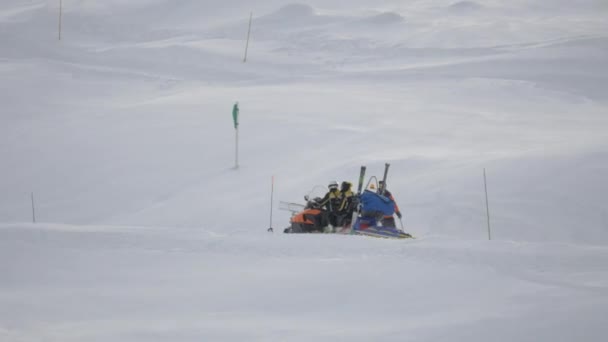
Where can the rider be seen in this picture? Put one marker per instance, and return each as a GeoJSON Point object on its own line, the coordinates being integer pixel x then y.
{"type": "Point", "coordinates": [389, 221]}
{"type": "Point", "coordinates": [346, 204]}
{"type": "Point", "coordinates": [331, 202]}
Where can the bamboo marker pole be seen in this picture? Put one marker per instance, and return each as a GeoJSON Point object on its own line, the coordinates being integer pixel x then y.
{"type": "Point", "coordinates": [271, 203]}
{"type": "Point", "coordinates": [60, 16]}
{"type": "Point", "coordinates": [236, 152]}
{"type": "Point", "coordinates": [248, 35]}
{"type": "Point", "coordinates": [485, 183]}
{"type": "Point", "coordinates": [33, 209]}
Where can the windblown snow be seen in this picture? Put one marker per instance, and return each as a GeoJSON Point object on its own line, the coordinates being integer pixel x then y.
{"type": "Point", "coordinates": [121, 133]}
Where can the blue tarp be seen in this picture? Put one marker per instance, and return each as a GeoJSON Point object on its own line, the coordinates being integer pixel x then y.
{"type": "Point", "coordinates": [371, 202]}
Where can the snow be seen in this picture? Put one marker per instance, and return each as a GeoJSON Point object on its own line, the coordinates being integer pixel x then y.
{"type": "Point", "coordinates": [94, 283]}
{"type": "Point", "coordinates": [145, 231]}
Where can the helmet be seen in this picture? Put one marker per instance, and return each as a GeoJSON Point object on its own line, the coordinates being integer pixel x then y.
{"type": "Point", "coordinates": [333, 185]}
{"type": "Point", "coordinates": [372, 186]}
{"type": "Point", "coordinates": [345, 186]}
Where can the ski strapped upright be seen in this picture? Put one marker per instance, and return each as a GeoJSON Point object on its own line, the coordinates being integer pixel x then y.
{"type": "Point", "coordinates": [382, 187]}
{"type": "Point", "coordinates": [361, 179]}
{"type": "Point", "coordinates": [359, 190]}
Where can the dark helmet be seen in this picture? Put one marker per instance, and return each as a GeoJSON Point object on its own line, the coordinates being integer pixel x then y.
{"type": "Point", "coordinates": [345, 186]}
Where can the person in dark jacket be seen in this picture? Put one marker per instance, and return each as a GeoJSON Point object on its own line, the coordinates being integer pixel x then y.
{"type": "Point", "coordinates": [346, 204]}
{"type": "Point", "coordinates": [389, 221]}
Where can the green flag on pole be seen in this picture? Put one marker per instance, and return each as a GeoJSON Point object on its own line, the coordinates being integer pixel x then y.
{"type": "Point", "coordinates": [235, 115]}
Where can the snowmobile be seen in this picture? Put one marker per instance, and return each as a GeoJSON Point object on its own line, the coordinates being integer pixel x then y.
{"type": "Point", "coordinates": [312, 219]}
{"type": "Point", "coordinates": [369, 207]}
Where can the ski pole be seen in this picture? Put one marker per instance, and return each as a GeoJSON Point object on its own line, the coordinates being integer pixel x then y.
{"type": "Point", "coordinates": [402, 228]}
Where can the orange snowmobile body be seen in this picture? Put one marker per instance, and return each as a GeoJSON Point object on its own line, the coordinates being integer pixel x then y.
{"type": "Point", "coordinates": [309, 220]}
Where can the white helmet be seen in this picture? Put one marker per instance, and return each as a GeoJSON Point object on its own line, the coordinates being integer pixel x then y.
{"type": "Point", "coordinates": [333, 185]}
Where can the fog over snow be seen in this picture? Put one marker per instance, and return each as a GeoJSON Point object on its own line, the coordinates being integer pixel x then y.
{"type": "Point", "coordinates": [145, 231]}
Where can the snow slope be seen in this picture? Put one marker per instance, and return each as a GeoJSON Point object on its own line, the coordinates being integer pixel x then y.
{"type": "Point", "coordinates": [69, 283]}
{"type": "Point", "coordinates": [123, 132]}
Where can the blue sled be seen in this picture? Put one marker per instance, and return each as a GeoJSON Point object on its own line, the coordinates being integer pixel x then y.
{"type": "Point", "coordinates": [369, 226]}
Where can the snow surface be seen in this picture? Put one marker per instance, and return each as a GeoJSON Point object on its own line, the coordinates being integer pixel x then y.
{"type": "Point", "coordinates": [122, 130]}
